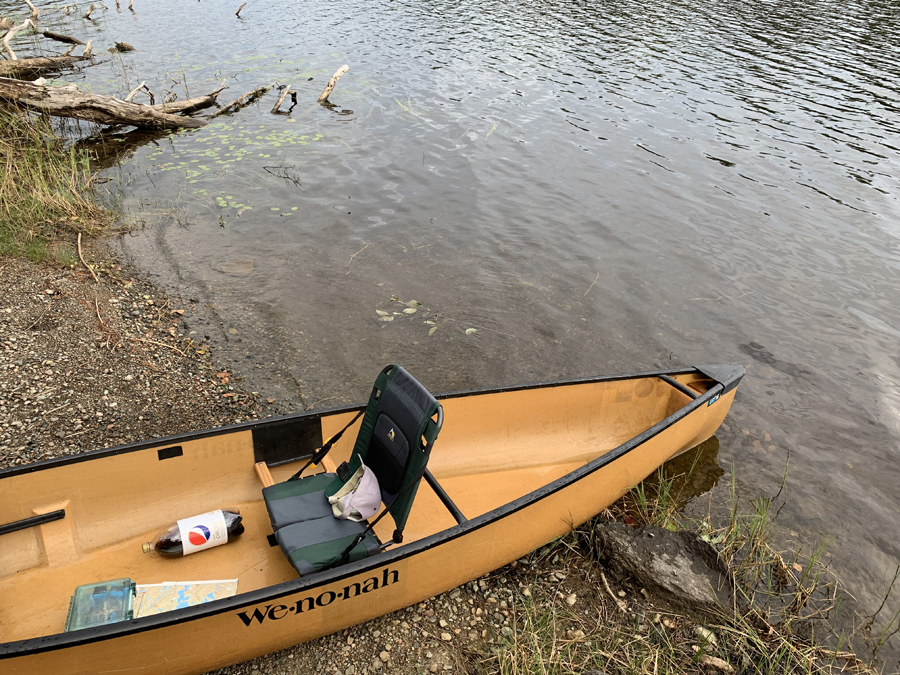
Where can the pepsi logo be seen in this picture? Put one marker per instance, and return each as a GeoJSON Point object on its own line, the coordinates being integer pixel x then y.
{"type": "Point", "coordinates": [198, 535]}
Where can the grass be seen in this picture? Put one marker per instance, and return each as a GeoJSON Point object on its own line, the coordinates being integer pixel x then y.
{"type": "Point", "coordinates": [46, 192]}
{"type": "Point", "coordinates": [789, 599]}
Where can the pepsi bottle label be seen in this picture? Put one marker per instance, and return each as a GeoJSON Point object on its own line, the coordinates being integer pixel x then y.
{"type": "Point", "coordinates": [204, 531]}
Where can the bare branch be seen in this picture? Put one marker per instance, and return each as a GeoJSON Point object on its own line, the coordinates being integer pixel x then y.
{"type": "Point", "coordinates": [59, 37]}
{"type": "Point", "coordinates": [242, 101]}
{"type": "Point", "coordinates": [34, 10]}
{"type": "Point", "coordinates": [238, 13]}
{"type": "Point", "coordinates": [333, 81]}
{"type": "Point", "coordinates": [284, 93]}
{"type": "Point", "coordinates": [134, 91]}
{"type": "Point", "coordinates": [11, 34]}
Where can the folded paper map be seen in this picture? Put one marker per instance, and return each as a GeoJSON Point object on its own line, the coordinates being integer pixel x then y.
{"type": "Point", "coordinates": [150, 599]}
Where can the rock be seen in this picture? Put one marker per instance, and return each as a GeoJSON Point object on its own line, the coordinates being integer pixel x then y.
{"type": "Point", "coordinates": [446, 637]}
{"type": "Point", "coordinates": [384, 656]}
{"type": "Point", "coordinates": [705, 635]}
{"type": "Point", "coordinates": [571, 600]}
{"type": "Point", "coordinates": [526, 592]}
{"type": "Point", "coordinates": [715, 663]}
{"type": "Point", "coordinates": [377, 664]}
{"type": "Point", "coordinates": [575, 634]}
{"type": "Point", "coordinates": [679, 567]}
{"type": "Point", "coordinates": [443, 623]}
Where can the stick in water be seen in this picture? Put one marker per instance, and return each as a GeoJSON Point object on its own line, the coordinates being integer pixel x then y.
{"type": "Point", "coordinates": [134, 91]}
{"type": "Point", "coordinates": [284, 93]}
{"type": "Point", "coordinates": [333, 81]}
{"type": "Point", "coordinates": [239, 103]}
{"type": "Point", "coordinates": [34, 10]}
{"type": "Point", "coordinates": [11, 34]}
{"type": "Point", "coordinates": [87, 14]}
{"type": "Point", "coordinates": [238, 13]}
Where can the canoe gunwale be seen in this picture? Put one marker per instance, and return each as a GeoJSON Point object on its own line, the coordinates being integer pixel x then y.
{"type": "Point", "coordinates": [64, 640]}
{"type": "Point", "coordinates": [256, 424]}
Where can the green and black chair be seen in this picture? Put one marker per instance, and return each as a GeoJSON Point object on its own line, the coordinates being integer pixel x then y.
{"type": "Point", "coordinates": [400, 425]}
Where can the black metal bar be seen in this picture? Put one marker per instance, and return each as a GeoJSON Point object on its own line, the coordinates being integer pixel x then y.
{"type": "Point", "coordinates": [444, 497]}
{"type": "Point", "coordinates": [680, 387]}
{"type": "Point", "coordinates": [34, 521]}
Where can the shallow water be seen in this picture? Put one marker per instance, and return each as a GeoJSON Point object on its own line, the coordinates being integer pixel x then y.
{"type": "Point", "coordinates": [592, 187]}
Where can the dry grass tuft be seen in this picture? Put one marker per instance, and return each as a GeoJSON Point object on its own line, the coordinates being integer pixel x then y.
{"type": "Point", "coordinates": [46, 192]}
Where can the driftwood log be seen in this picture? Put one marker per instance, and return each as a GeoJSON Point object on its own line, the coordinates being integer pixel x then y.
{"type": "Point", "coordinates": [11, 33]}
{"type": "Point", "coordinates": [188, 105]}
{"type": "Point", "coordinates": [70, 102]}
{"type": "Point", "coordinates": [333, 81]}
{"type": "Point", "coordinates": [59, 37]}
{"type": "Point", "coordinates": [38, 66]}
{"type": "Point", "coordinates": [242, 101]}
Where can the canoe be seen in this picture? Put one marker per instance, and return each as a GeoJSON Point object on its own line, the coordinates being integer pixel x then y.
{"type": "Point", "coordinates": [513, 468]}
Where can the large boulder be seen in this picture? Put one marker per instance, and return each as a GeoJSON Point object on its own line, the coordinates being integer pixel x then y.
{"type": "Point", "coordinates": [679, 568]}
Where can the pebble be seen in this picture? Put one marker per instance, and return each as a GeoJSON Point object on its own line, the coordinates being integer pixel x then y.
{"type": "Point", "coordinates": [446, 637]}
{"type": "Point", "coordinates": [384, 656]}
{"type": "Point", "coordinates": [571, 599]}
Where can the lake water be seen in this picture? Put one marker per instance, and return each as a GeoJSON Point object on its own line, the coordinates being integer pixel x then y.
{"type": "Point", "coordinates": [568, 189]}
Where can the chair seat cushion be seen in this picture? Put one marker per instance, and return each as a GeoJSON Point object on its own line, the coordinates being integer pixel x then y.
{"type": "Point", "coordinates": [295, 501]}
{"type": "Point", "coordinates": [310, 545]}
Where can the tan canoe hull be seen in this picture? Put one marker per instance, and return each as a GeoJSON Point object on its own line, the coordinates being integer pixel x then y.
{"type": "Point", "coordinates": [295, 611]}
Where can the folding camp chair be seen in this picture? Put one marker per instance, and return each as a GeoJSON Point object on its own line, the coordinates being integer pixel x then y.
{"type": "Point", "coordinates": [395, 441]}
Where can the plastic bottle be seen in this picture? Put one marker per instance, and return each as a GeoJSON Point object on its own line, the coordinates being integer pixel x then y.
{"type": "Point", "coordinates": [198, 533]}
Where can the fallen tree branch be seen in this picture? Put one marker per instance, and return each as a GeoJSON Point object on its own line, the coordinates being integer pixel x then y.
{"type": "Point", "coordinates": [87, 14]}
{"type": "Point", "coordinates": [242, 101]}
{"type": "Point", "coordinates": [238, 13]}
{"type": "Point", "coordinates": [59, 37]}
{"type": "Point", "coordinates": [11, 33]}
{"type": "Point", "coordinates": [70, 102]}
{"type": "Point", "coordinates": [284, 92]}
{"type": "Point", "coordinates": [134, 91]}
{"type": "Point", "coordinates": [34, 10]}
{"type": "Point", "coordinates": [33, 68]}
{"type": "Point", "coordinates": [332, 82]}
{"type": "Point", "coordinates": [188, 105]}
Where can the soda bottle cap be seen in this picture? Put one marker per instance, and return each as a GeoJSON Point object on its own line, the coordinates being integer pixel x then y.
{"type": "Point", "coordinates": [146, 547]}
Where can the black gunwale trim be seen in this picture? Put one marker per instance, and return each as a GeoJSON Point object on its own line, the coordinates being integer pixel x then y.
{"type": "Point", "coordinates": [33, 521]}
{"type": "Point", "coordinates": [250, 426]}
{"type": "Point", "coordinates": [310, 583]}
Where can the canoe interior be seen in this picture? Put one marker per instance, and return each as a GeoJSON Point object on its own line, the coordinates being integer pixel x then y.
{"type": "Point", "coordinates": [494, 448]}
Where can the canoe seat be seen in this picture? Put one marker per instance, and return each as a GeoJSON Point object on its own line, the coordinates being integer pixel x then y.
{"type": "Point", "coordinates": [395, 439]}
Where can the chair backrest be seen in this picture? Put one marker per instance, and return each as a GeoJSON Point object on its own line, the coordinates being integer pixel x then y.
{"type": "Point", "coordinates": [396, 437]}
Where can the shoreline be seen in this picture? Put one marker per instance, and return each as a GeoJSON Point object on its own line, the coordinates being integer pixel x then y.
{"type": "Point", "coordinates": [88, 364]}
